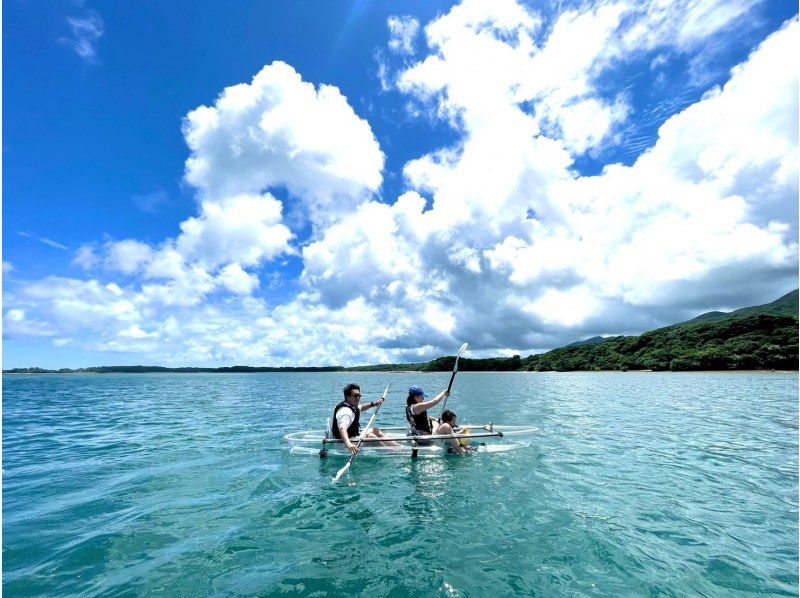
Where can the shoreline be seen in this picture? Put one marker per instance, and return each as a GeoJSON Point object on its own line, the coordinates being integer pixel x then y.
{"type": "Point", "coordinates": [345, 371]}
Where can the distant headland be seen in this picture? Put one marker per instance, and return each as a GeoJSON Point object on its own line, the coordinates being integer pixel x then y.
{"type": "Point", "coordinates": [762, 337]}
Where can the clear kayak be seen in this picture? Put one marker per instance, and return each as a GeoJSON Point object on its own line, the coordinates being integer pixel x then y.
{"type": "Point", "coordinates": [480, 438]}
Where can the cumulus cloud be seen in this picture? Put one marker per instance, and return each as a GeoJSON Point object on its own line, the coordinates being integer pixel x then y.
{"type": "Point", "coordinates": [127, 256]}
{"type": "Point", "coordinates": [689, 208]}
{"type": "Point", "coordinates": [243, 228]}
{"type": "Point", "coordinates": [209, 254]}
{"type": "Point", "coordinates": [280, 132]}
{"type": "Point", "coordinates": [55, 305]}
{"type": "Point", "coordinates": [497, 238]}
{"type": "Point", "coordinates": [236, 280]}
{"type": "Point", "coordinates": [599, 254]}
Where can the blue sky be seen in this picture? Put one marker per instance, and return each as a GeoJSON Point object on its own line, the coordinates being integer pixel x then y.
{"type": "Point", "coordinates": [342, 183]}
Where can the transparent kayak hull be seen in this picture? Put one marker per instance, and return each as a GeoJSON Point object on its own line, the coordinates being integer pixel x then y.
{"type": "Point", "coordinates": [482, 438]}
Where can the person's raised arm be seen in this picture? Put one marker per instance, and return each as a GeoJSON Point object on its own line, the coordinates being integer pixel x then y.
{"type": "Point", "coordinates": [420, 407]}
{"type": "Point", "coordinates": [366, 406]}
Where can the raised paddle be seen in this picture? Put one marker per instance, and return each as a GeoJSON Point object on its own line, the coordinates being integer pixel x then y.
{"type": "Point", "coordinates": [344, 469]}
{"type": "Point", "coordinates": [455, 370]}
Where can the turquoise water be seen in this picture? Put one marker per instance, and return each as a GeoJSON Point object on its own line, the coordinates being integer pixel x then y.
{"type": "Point", "coordinates": [179, 485]}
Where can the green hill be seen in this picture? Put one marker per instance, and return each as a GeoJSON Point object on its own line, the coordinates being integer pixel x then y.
{"type": "Point", "coordinates": [759, 337]}
{"type": "Point", "coordinates": [785, 306]}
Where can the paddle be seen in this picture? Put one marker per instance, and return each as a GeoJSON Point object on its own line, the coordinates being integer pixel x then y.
{"type": "Point", "coordinates": [344, 469]}
{"type": "Point", "coordinates": [455, 370]}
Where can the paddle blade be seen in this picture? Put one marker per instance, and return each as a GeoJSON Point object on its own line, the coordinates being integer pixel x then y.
{"type": "Point", "coordinates": [458, 356]}
{"type": "Point", "coordinates": [455, 369]}
{"type": "Point", "coordinates": [341, 472]}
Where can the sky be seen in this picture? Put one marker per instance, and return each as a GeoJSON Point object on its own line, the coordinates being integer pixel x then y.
{"type": "Point", "coordinates": [344, 183]}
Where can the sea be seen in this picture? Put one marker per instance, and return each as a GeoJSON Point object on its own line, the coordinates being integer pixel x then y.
{"type": "Point", "coordinates": [636, 484]}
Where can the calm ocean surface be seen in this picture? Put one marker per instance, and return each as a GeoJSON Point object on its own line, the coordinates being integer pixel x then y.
{"type": "Point", "coordinates": [637, 484]}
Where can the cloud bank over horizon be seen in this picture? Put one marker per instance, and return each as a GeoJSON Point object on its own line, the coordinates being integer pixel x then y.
{"type": "Point", "coordinates": [498, 238]}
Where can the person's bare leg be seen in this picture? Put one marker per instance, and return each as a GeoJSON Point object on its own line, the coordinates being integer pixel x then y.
{"type": "Point", "coordinates": [377, 433]}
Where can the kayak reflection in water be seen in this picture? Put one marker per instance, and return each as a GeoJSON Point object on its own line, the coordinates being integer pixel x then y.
{"type": "Point", "coordinates": [346, 415]}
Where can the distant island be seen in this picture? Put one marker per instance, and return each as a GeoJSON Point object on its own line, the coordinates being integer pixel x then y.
{"type": "Point", "coordinates": [763, 337]}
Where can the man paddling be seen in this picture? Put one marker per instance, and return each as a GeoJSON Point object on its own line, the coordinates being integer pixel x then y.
{"type": "Point", "coordinates": [346, 418]}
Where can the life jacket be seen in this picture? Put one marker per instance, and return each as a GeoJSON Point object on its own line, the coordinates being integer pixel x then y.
{"type": "Point", "coordinates": [419, 422]}
{"type": "Point", "coordinates": [353, 430]}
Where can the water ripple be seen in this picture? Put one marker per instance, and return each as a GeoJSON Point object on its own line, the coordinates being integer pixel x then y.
{"type": "Point", "coordinates": [637, 484]}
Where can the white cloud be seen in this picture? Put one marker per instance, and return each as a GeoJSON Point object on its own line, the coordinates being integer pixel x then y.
{"type": "Point", "coordinates": [497, 239]}
{"type": "Point", "coordinates": [85, 257]}
{"type": "Point", "coordinates": [127, 256]}
{"type": "Point", "coordinates": [243, 228]}
{"type": "Point", "coordinates": [586, 123]}
{"type": "Point", "coordinates": [275, 132]}
{"type": "Point", "coordinates": [189, 288]}
{"type": "Point", "coordinates": [565, 308]}
{"type": "Point", "coordinates": [236, 280]}
{"type": "Point", "coordinates": [84, 304]}
{"type": "Point", "coordinates": [402, 32]}
{"type": "Point", "coordinates": [688, 206]}
{"type": "Point", "coordinates": [8, 267]}
{"type": "Point", "coordinates": [210, 253]}
{"type": "Point", "coordinates": [86, 30]}
{"type": "Point", "coordinates": [683, 24]}
{"type": "Point", "coordinates": [279, 131]}
{"type": "Point", "coordinates": [625, 240]}
{"type": "Point", "coordinates": [15, 315]}
{"type": "Point", "coordinates": [44, 240]}
{"type": "Point", "coordinates": [384, 78]}
{"type": "Point", "coordinates": [16, 324]}
{"type": "Point", "coordinates": [365, 252]}
{"type": "Point", "coordinates": [135, 332]}
{"type": "Point", "coordinates": [166, 263]}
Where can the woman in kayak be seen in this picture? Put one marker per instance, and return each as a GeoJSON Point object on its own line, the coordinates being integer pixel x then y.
{"type": "Point", "coordinates": [417, 411]}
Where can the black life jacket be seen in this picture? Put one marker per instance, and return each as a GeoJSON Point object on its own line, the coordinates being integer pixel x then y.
{"type": "Point", "coordinates": [353, 430]}
{"type": "Point", "coordinates": [419, 422]}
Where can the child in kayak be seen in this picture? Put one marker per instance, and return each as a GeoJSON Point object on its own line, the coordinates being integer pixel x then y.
{"type": "Point", "coordinates": [446, 428]}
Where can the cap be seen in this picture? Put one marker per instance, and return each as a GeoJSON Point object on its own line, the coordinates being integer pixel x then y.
{"type": "Point", "coordinates": [417, 391]}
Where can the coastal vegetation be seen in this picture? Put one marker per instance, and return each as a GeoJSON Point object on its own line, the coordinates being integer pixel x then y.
{"type": "Point", "coordinates": [763, 337]}
{"type": "Point", "coordinates": [750, 343]}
